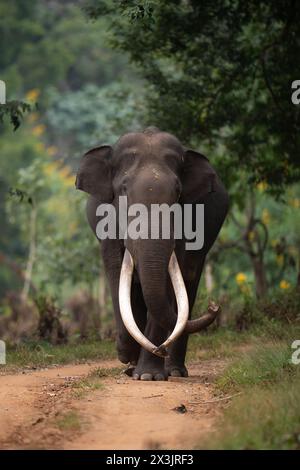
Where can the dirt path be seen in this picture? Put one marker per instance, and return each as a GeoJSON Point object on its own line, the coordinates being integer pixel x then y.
{"type": "Point", "coordinates": [52, 408]}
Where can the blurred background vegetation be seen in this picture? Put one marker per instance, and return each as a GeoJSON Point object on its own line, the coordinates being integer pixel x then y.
{"type": "Point", "coordinates": [78, 73]}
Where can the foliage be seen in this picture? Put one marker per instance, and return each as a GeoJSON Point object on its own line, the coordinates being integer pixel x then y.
{"type": "Point", "coordinates": [40, 354]}
{"type": "Point", "coordinates": [217, 74]}
{"type": "Point", "coordinates": [224, 69]}
{"type": "Point", "coordinates": [53, 44]}
{"type": "Point", "coordinates": [269, 384]}
{"type": "Point", "coordinates": [263, 365]}
{"type": "Point", "coordinates": [93, 115]}
{"type": "Point", "coordinates": [69, 421]}
{"type": "Point", "coordinates": [15, 110]}
{"type": "Point", "coordinates": [49, 327]}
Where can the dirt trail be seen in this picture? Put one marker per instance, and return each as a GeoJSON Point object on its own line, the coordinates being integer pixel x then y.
{"type": "Point", "coordinates": [39, 409]}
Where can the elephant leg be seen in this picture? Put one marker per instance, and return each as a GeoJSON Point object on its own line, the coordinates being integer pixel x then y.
{"type": "Point", "coordinates": [175, 363]}
{"type": "Point", "coordinates": [149, 366]}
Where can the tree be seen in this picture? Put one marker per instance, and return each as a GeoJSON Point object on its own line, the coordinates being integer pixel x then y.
{"type": "Point", "coordinates": [78, 120]}
{"type": "Point", "coordinates": [15, 110]}
{"type": "Point", "coordinates": [50, 43]}
{"type": "Point", "coordinates": [220, 75]}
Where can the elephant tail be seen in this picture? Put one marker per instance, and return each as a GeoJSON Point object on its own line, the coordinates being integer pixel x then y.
{"type": "Point", "coordinates": [194, 326]}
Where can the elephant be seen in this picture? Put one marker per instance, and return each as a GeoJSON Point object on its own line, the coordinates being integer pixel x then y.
{"type": "Point", "coordinates": [154, 282]}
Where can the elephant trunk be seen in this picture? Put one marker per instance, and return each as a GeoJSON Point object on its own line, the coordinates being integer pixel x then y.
{"type": "Point", "coordinates": [125, 305]}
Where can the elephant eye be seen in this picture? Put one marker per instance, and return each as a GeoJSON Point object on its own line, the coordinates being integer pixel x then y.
{"type": "Point", "coordinates": [172, 159]}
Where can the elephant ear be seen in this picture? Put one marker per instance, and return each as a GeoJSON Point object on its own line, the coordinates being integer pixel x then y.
{"type": "Point", "coordinates": [198, 177]}
{"type": "Point", "coordinates": [94, 173]}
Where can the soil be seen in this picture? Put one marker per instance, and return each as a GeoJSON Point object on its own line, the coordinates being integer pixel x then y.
{"type": "Point", "coordinates": [43, 409]}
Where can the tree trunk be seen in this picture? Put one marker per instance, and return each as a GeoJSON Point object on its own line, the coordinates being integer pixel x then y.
{"type": "Point", "coordinates": [31, 254]}
{"type": "Point", "coordinates": [209, 280]}
{"type": "Point", "coordinates": [261, 285]}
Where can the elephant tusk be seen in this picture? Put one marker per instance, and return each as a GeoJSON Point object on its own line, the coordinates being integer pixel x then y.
{"type": "Point", "coordinates": [126, 310]}
{"type": "Point", "coordinates": [182, 302]}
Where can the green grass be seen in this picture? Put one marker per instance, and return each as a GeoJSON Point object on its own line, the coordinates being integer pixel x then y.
{"type": "Point", "coordinates": [263, 365]}
{"type": "Point", "coordinates": [224, 342]}
{"type": "Point", "coordinates": [107, 371]}
{"type": "Point", "coordinates": [45, 354]}
{"type": "Point", "coordinates": [266, 415]}
{"type": "Point", "coordinates": [92, 381]}
{"type": "Point", "coordinates": [215, 344]}
{"type": "Point", "coordinates": [69, 421]}
{"type": "Point", "coordinates": [86, 385]}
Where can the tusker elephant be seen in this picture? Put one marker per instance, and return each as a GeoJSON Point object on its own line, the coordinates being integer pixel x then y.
{"type": "Point", "coordinates": [154, 280]}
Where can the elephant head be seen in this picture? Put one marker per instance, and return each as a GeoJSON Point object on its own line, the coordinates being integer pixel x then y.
{"type": "Point", "coordinates": [151, 167]}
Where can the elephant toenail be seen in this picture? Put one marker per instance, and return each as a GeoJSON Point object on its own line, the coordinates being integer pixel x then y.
{"type": "Point", "coordinates": [159, 377]}
{"type": "Point", "coordinates": [146, 376]}
{"type": "Point", "coordinates": [135, 376]}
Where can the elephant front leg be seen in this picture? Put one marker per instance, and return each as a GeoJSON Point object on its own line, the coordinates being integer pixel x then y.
{"type": "Point", "coordinates": [175, 363]}
{"type": "Point", "coordinates": [149, 366]}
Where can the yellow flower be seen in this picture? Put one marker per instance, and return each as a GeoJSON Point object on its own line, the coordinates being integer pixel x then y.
{"type": "Point", "coordinates": [40, 147]}
{"type": "Point", "coordinates": [240, 278]}
{"type": "Point", "coordinates": [284, 284]}
{"type": "Point", "coordinates": [262, 186]}
{"type": "Point", "coordinates": [65, 171]}
{"type": "Point", "coordinates": [55, 206]}
{"type": "Point", "coordinates": [33, 117]}
{"type": "Point", "coordinates": [70, 181]}
{"type": "Point", "coordinates": [39, 130]}
{"type": "Point", "coordinates": [52, 150]}
{"type": "Point", "coordinates": [245, 289]}
{"type": "Point", "coordinates": [251, 236]}
{"type": "Point", "coordinates": [279, 259]}
{"type": "Point", "coordinates": [50, 168]}
{"type": "Point", "coordinates": [32, 95]}
{"type": "Point", "coordinates": [292, 250]}
{"type": "Point", "coordinates": [66, 175]}
{"type": "Point", "coordinates": [295, 203]}
{"type": "Point", "coordinates": [266, 217]}
{"type": "Point", "coordinates": [73, 227]}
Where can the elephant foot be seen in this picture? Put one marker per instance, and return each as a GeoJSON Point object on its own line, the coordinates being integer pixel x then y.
{"type": "Point", "coordinates": [128, 352]}
{"type": "Point", "coordinates": [148, 376]}
{"type": "Point", "coordinates": [150, 369]}
{"type": "Point", "coordinates": [126, 358]}
{"type": "Point", "coordinates": [177, 371]}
